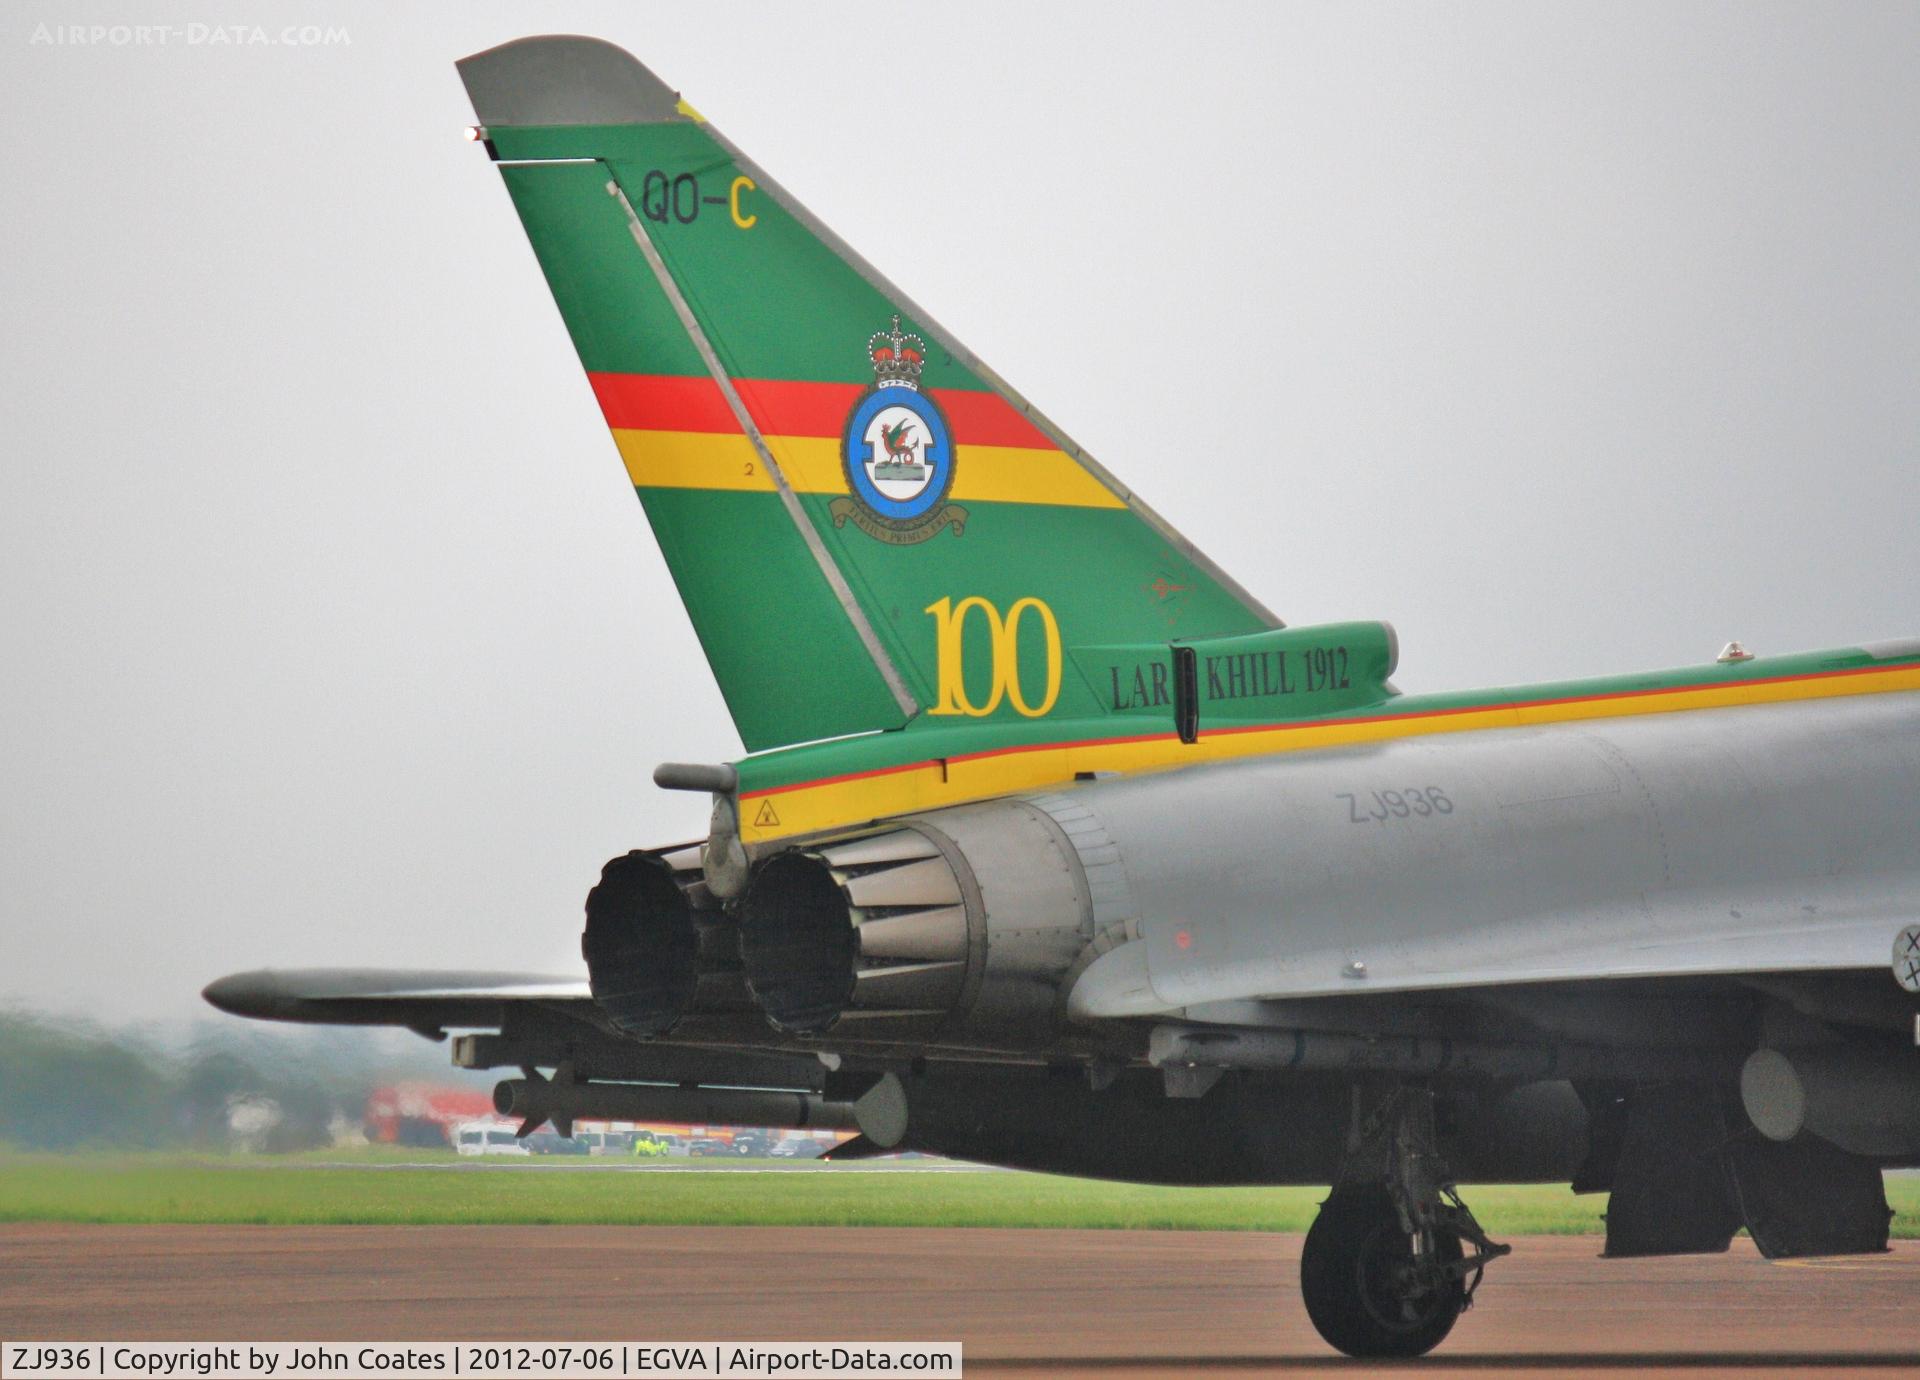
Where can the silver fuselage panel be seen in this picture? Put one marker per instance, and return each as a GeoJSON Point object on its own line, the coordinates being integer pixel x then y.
{"type": "Point", "coordinates": [1764, 838]}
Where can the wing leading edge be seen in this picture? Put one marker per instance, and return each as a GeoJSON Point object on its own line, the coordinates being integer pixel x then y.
{"type": "Point", "coordinates": [386, 996]}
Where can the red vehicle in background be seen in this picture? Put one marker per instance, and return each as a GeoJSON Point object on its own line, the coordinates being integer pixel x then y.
{"type": "Point", "coordinates": [422, 1114]}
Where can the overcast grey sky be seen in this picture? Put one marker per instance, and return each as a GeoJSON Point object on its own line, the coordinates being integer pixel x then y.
{"type": "Point", "coordinates": [1570, 339]}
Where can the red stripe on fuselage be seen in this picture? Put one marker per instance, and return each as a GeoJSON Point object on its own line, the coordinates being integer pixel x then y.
{"type": "Point", "coordinates": [784, 407]}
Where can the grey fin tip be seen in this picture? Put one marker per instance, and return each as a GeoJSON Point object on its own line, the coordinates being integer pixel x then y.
{"type": "Point", "coordinates": [565, 79]}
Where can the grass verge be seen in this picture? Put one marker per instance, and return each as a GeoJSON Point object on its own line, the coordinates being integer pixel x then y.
{"type": "Point", "coordinates": [167, 1188]}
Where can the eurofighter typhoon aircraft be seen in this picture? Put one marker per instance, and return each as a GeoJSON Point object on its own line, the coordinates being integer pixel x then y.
{"type": "Point", "coordinates": [1067, 854]}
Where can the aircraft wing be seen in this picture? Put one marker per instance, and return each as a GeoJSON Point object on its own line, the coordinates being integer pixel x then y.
{"type": "Point", "coordinates": [531, 1018]}
{"type": "Point", "coordinates": [386, 996]}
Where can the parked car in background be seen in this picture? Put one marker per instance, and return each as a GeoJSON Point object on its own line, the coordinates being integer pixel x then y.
{"type": "Point", "coordinates": [798, 1148]}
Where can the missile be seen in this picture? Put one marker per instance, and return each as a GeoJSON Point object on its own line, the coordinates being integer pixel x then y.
{"type": "Point", "coordinates": [563, 1100]}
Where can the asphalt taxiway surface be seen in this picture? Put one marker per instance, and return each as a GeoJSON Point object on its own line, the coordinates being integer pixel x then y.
{"type": "Point", "coordinates": [1119, 1303]}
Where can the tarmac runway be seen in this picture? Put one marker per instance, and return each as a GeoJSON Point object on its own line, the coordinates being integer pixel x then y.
{"type": "Point", "coordinates": [1117, 1304]}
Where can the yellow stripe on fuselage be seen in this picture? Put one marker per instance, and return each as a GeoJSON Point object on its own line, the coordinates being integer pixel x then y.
{"type": "Point", "coordinates": [810, 808]}
{"type": "Point", "coordinates": [721, 460]}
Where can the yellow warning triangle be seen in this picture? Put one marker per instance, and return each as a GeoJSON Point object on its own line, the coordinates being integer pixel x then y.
{"type": "Point", "coordinates": [767, 818]}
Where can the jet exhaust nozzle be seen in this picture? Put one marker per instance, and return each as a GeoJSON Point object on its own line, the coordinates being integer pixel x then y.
{"type": "Point", "coordinates": [641, 945]}
{"type": "Point", "coordinates": [961, 923]}
{"type": "Point", "coordinates": [867, 927]}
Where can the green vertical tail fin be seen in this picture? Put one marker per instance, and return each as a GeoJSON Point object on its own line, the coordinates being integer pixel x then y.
{"type": "Point", "coordinates": [866, 526]}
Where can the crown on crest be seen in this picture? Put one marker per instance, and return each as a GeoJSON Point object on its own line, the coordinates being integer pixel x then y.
{"type": "Point", "coordinates": [897, 358]}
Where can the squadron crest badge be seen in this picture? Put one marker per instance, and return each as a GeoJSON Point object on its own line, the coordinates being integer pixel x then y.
{"type": "Point", "coordinates": [897, 450]}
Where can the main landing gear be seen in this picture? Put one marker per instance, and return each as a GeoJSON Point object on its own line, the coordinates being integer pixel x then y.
{"type": "Point", "coordinates": [1386, 1269]}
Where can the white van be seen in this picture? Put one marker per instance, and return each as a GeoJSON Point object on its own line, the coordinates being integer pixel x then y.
{"type": "Point", "coordinates": [488, 1138]}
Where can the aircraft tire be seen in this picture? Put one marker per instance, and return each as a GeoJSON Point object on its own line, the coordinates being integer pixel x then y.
{"type": "Point", "coordinates": [1347, 1279]}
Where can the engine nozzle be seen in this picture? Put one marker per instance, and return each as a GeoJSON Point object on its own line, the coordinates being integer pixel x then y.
{"type": "Point", "coordinates": [641, 945]}
{"type": "Point", "coordinates": [868, 927]}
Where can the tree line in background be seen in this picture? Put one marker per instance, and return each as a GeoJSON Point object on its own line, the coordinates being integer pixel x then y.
{"type": "Point", "coordinates": [68, 1084]}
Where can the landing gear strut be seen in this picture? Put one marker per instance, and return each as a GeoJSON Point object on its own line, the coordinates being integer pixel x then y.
{"type": "Point", "coordinates": [1384, 1271]}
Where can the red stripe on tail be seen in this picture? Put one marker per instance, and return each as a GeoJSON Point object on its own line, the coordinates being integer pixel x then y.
{"type": "Point", "coordinates": [784, 407]}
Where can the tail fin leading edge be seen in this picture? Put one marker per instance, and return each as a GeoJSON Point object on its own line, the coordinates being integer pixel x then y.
{"type": "Point", "coordinates": [843, 493]}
